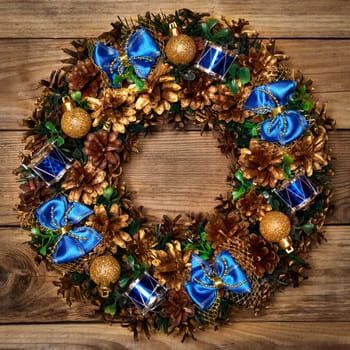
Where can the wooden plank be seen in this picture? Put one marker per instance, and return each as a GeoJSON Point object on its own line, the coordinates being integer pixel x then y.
{"type": "Point", "coordinates": [273, 18]}
{"type": "Point", "coordinates": [169, 181]}
{"type": "Point", "coordinates": [27, 293]}
{"type": "Point", "coordinates": [25, 62]}
{"type": "Point", "coordinates": [238, 336]}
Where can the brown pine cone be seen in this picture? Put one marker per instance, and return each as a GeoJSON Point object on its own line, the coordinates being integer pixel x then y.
{"type": "Point", "coordinates": [103, 148]}
{"type": "Point", "coordinates": [261, 63]}
{"type": "Point", "coordinates": [115, 109]}
{"type": "Point", "coordinates": [85, 183]}
{"type": "Point", "coordinates": [170, 266]}
{"type": "Point", "coordinates": [253, 206]}
{"type": "Point", "coordinates": [84, 77]}
{"type": "Point", "coordinates": [110, 225]}
{"type": "Point", "coordinates": [309, 152]}
{"type": "Point", "coordinates": [264, 254]}
{"type": "Point", "coordinates": [178, 307]}
{"type": "Point", "coordinates": [260, 162]}
{"type": "Point", "coordinates": [220, 228]}
{"type": "Point", "coordinates": [161, 97]}
{"type": "Point", "coordinates": [34, 193]}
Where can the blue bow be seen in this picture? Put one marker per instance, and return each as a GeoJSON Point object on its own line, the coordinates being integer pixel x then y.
{"type": "Point", "coordinates": [204, 284]}
{"type": "Point", "coordinates": [141, 52]}
{"type": "Point", "coordinates": [74, 242]}
{"type": "Point", "coordinates": [285, 125]}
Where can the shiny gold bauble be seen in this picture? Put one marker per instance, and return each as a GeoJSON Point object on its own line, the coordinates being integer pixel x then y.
{"type": "Point", "coordinates": [104, 271]}
{"type": "Point", "coordinates": [181, 48]}
{"type": "Point", "coordinates": [275, 226]}
{"type": "Point", "coordinates": [75, 122]}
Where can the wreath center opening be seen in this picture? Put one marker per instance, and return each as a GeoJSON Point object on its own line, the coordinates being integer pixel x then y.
{"type": "Point", "coordinates": [177, 172]}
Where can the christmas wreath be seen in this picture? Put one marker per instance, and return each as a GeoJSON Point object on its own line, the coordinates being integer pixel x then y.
{"type": "Point", "coordinates": [180, 69]}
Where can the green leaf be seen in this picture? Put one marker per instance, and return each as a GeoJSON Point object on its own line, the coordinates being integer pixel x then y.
{"type": "Point", "coordinates": [133, 227]}
{"type": "Point", "coordinates": [232, 70]}
{"type": "Point", "coordinates": [59, 141]}
{"type": "Point", "coordinates": [244, 75]}
{"type": "Point", "coordinates": [232, 85]}
{"type": "Point", "coordinates": [123, 282]}
{"type": "Point", "coordinates": [77, 153]}
{"type": "Point", "coordinates": [239, 176]}
{"type": "Point", "coordinates": [288, 159]}
{"type": "Point", "coordinates": [76, 96]}
{"type": "Point", "coordinates": [308, 105]}
{"type": "Point", "coordinates": [35, 231]}
{"type": "Point", "coordinates": [50, 126]}
{"type": "Point", "coordinates": [42, 250]}
{"type": "Point", "coordinates": [308, 228]}
{"type": "Point", "coordinates": [189, 75]}
{"type": "Point", "coordinates": [238, 193]}
{"type": "Point", "coordinates": [108, 192]}
{"type": "Point", "coordinates": [286, 166]}
{"type": "Point", "coordinates": [140, 84]}
{"type": "Point", "coordinates": [131, 262]}
{"type": "Point", "coordinates": [110, 309]}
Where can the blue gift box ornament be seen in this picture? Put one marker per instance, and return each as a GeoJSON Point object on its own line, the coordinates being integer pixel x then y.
{"type": "Point", "coordinates": [50, 164]}
{"type": "Point", "coordinates": [215, 60]}
{"type": "Point", "coordinates": [146, 293]}
{"type": "Point", "coordinates": [296, 193]}
{"type": "Point", "coordinates": [285, 125]}
{"type": "Point", "coordinates": [72, 243]}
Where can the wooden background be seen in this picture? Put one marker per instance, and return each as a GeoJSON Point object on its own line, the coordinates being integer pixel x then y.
{"type": "Point", "coordinates": [315, 33]}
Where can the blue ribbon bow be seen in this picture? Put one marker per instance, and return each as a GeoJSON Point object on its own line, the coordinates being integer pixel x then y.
{"type": "Point", "coordinates": [141, 52]}
{"type": "Point", "coordinates": [204, 284]}
{"type": "Point", "coordinates": [74, 242]}
{"type": "Point", "coordinates": [285, 125]}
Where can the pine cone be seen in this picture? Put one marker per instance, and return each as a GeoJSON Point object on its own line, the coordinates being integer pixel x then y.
{"type": "Point", "coordinates": [309, 151]}
{"type": "Point", "coordinates": [260, 162]}
{"type": "Point", "coordinates": [34, 193]}
{"type": "Point", "coordinates": [253, 206]}
{"type": "Point", "coordinates": [110, 225]}
{"type": "Point", "coordinates": [265, 255]}
{"type": "Point", "coordinates": [169, 267]}
{"type": "Point", "coordinates": [178, 307]}
{"type": "Point", "coordinates": [116, 108]}
{"type": "Point", "coordinates": [194, 96]}
{"type": "Point", "coordinates": [85, 183]}
{"type": "Point", "coordinates": [220, 228]}
{"type": "Point", "coordinates": [262, 64]}
{"type": "Point", "coordinates": [142, 243]}
{"type": "Point", "coordinates": [84, 77]}
{"type": "Point", "coordinates": [161, 97]}
{"type": "Point", "coordinates": [102, 148]}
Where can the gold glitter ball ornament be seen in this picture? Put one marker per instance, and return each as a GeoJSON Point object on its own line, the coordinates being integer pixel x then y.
{"type": "Point", "coordinates": [104, 271]}
{"type": "Point", "coordinates": [75, 122]}
{"type": "Point", "coordinates": [275, 226]}
{"type": "Point", "coordinates": [181, 48]}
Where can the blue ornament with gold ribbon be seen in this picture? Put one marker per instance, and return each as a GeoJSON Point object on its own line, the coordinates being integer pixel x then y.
{"type": "Point", "coordinates": [285, 125]}
{"type": "Point", "coordinates": [205, 283]}
{"type": "Point", "coordinates": [140, 52]}
{"type": "Point", "coordinates": [59, 216]}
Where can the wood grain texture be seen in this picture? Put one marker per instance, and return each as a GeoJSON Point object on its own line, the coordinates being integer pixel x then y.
{"type": "Point", "coordinates": [27, 293]}
{"type": "Point", "coordinates": [315, 34]}
{"type": "Point", "coordinates": [272, 18]}
{"type": "Point", "coordinates": [24, 63]}
{"type": "Point", "coordinates": [238, 336]}
{"type": "Point", "coordinates": [167, 182]}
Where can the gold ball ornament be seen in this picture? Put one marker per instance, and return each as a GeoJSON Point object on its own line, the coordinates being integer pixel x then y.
{"type": "Point", "coordinates": [75, 122]}
{"type": "Point", "coordinates": [181, 48]}
{"type": "Point", "coordinates": [275, 226]}
{"type": "Point", "coordinates": [104, 271]}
